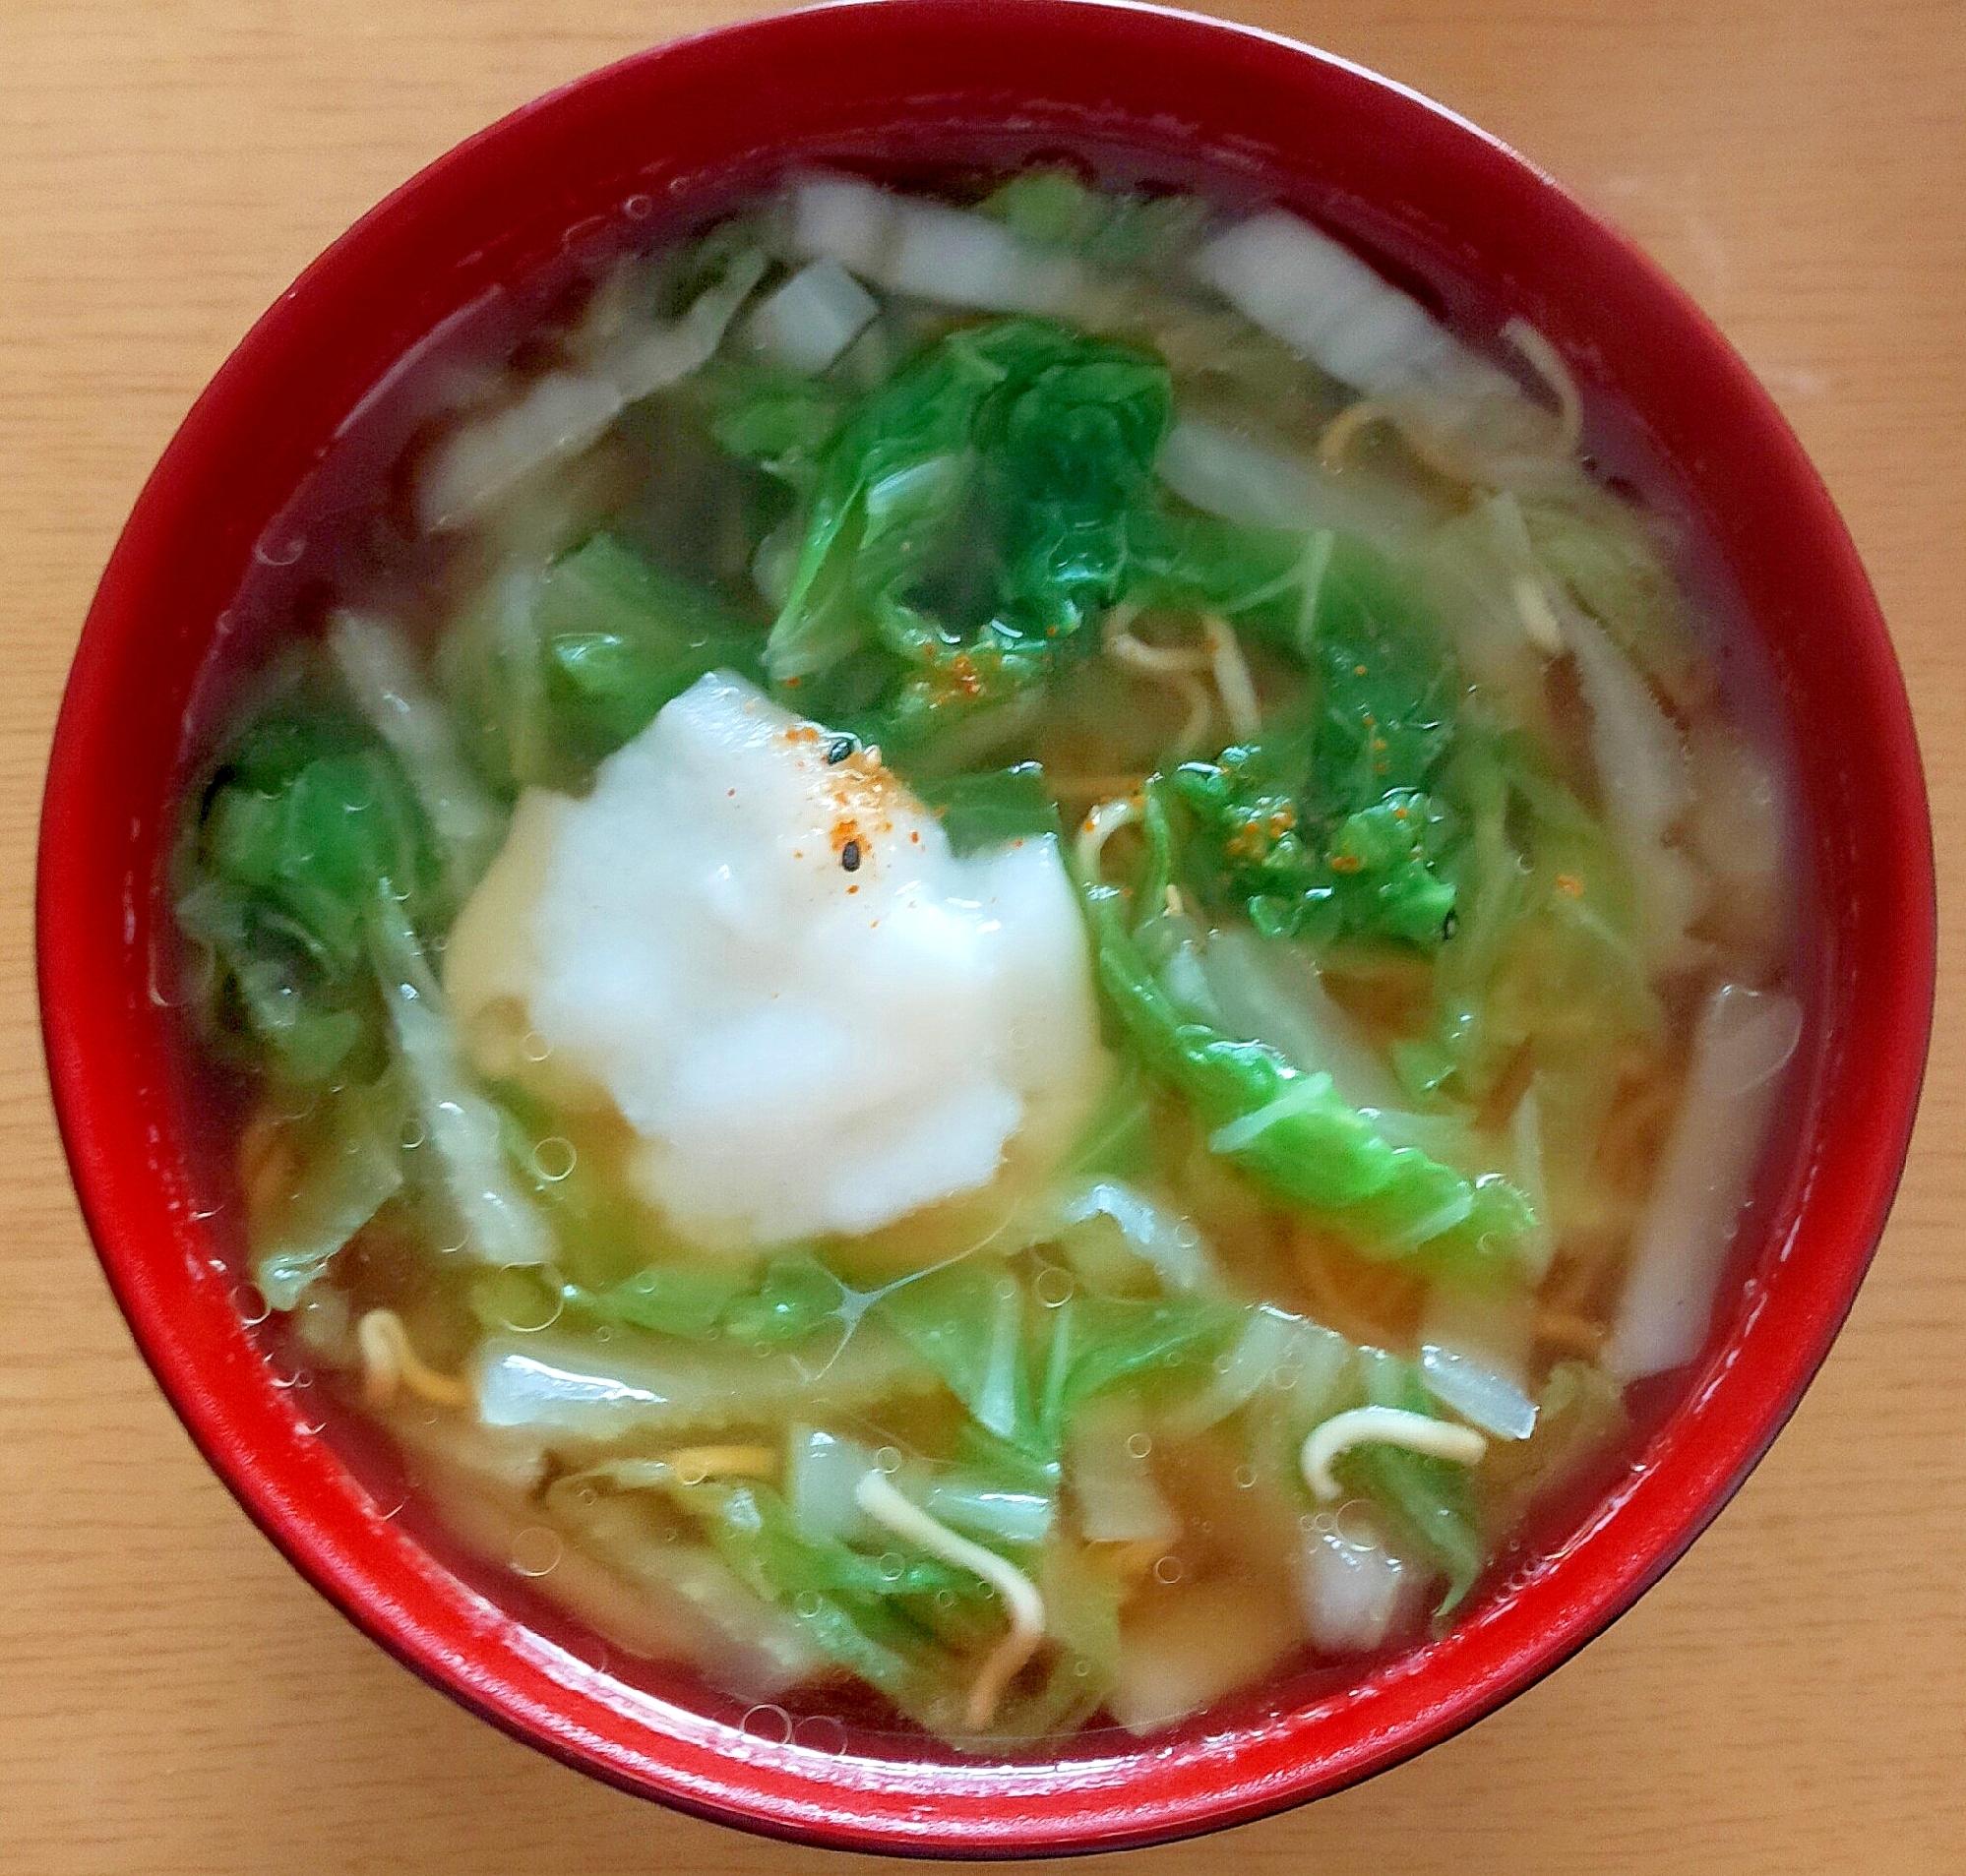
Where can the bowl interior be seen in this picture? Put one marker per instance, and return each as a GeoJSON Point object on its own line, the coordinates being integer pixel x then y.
{"type": "Point", "coordinates": [916, 85]}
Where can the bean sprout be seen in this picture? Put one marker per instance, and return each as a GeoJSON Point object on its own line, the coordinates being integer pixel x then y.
{"type": "Point", "coordinates": [692, 1465]}
{"type": "Point", "coordinates": [1539, 617]}
{"type": "Point", "coordinates": [879, 1500]}
{"type": "Point", "coordinates": [1565, 1329]}
{"type": "Point", "coordinates": [1154, 661]}
{"type": "Point", "coordinates": [390, 1361]}
{"type": "Point", "coordinates": [1429, 450]}
{"type": "Point", "coordinates": [1548, 364]}
{"type": "Point", "coordinates": [1233, 683]}
{"type": "Point", "coordinates": [1335, 441]}
{"type": "Point", "coordinates": [1382, 1426]}
{"type": "Point", "coordinates": [1099, 826]}
{"type": "Point", "coordinates": [1200, 713]}
{"type": "Point", "coordinates": [1177, 668]}
{"type": "Point", "coordinates": [687, 1466]}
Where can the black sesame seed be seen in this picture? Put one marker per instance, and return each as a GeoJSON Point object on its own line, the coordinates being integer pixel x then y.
{"type": "Point", "coordinates": [849, 856]}
{"type": "Point", "coordinates": [839, 749]}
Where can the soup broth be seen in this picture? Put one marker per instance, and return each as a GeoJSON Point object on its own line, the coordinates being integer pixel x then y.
{"type": "Point", "coordinates": [1003, 953]}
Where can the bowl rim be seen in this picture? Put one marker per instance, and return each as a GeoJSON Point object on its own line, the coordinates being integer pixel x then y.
{"type": "Point", "coordinates": [1141, 1796]}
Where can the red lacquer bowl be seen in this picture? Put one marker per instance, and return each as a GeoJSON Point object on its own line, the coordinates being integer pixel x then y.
{"type": "Point", "coordinates": [909, 84]}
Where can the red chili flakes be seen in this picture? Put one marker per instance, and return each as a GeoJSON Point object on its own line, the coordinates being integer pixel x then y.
{"type": "Point", "coordinates": [1570, 885]}
{"type": "Point", "coordinates": [1344, 863]}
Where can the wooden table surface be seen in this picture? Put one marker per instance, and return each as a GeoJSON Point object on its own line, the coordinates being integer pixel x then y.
{"type": "Point", "coordinates": [172, 1699]}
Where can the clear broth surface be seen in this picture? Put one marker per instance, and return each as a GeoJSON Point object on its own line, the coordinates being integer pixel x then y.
{"type": "Point", "coordinates": [1219, 1597]}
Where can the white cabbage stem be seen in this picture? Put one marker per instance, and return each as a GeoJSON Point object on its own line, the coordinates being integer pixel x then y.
{"type": "Point", "coordinates": [954, 256]}
{"type": "Point", "coordinates": [806, 324]}
{"type": "Point", "coordinates": [879, 1500]}
{"type": "Point", "coordinates": [399, 706]}
{"type": "Point", "coordinates": [1745, 1042]}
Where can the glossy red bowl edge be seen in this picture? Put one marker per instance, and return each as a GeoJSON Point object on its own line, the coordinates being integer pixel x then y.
{"type": "Point", "coordinates": [1313, 130]}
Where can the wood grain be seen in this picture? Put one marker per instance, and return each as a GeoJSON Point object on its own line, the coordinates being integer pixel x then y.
{"type": "Point", "coordinates": [1792, 1699]}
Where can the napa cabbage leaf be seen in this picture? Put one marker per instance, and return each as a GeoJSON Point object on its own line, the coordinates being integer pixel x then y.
{"type": "Point", "coordinates": [1330, 824]}
{"type": "Point", "coordinates": [313, 883]}
{"type": "Point", "coordinates": [971, 518]}
{"type": "Point", "coordinates": [1283, 1123]}
{"type": "Point", "coordinates": [550, 672]}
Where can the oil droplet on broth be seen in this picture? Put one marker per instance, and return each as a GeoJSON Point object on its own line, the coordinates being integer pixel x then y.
{"type": "Point", "coordinates": [771, 1725]}
{"type": "Point", "coordinates": [1054, 1286]}
{"type": "Point", "coordinates": [269, 550]}
{"type": "Point", "coordinates": [1140, 1444]}
{"type": "Point", "coordinates": [525, 1311]}
{"type": "Point", "coordinates": [1352, 1524]}
{"type": "Point", "coordinates": [535, 1551]}
{"type": "Point", "coordinates": [554, 1157]}
{"type": "Point", "coordinates": [1167, 1570]}
{"type": "Point", "coordinates": [819, 1732]}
